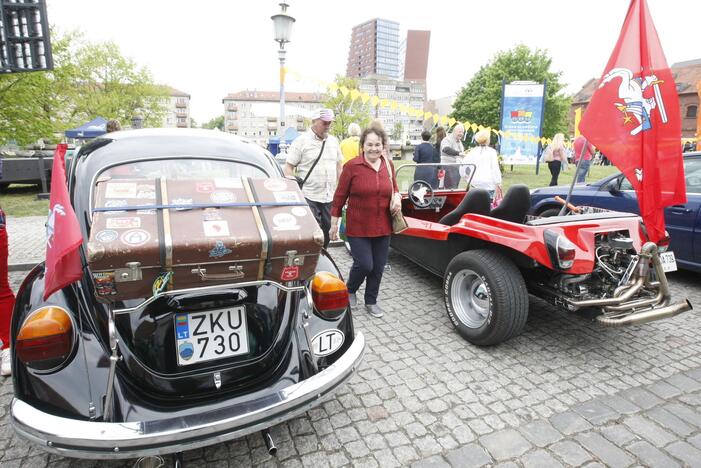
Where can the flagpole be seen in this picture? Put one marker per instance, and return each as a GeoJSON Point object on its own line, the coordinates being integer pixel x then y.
{"type": "Point", "coordinates": [574, 179]}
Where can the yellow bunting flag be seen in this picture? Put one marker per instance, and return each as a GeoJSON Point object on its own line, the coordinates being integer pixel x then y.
{"type": "Point", "coordinates": [444, 120]}
{"type": "Point", "coordinates": [364, 97]}
{"type": "Point", "coordinates": [474, 127]}
{"type": "Point", "coordinates": [451, 121]}
{"type": "Point", "coordinates": [374, 100]}
{"type": "Point", "coordinates": [393, 105]}
{"type": "Point", "coordinates": [344, 91]}
{"type": "Point", "coordinates": [428, 115]}
{"type": "Point", "coordinates": [354, 94]}
{"type": "Point", "coordinates": [333, 87]}
{"type": "Point", "coordinates": [384, 102]}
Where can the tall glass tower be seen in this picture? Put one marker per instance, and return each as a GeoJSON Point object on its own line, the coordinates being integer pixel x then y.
{"type": "Point", "coordinates": [374, 49]}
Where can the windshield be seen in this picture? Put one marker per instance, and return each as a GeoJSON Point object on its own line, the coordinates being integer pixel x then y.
{"type": "Point", "coordinates": [440, 176]}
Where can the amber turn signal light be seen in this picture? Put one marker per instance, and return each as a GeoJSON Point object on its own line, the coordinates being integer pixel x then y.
{"type": "Point", "coordinates": [329, 294]}
{"type": "Point", "coordinates": [45, 339]}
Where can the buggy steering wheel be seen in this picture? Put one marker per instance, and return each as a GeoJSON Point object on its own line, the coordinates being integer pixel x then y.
{"type": "Point", "coordinates": [421, 194]}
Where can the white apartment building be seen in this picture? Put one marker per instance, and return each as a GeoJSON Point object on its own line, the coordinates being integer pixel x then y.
{"type": "Point", "coordinates": [410, 93]}
{"type": "Point", "coordinates": [254, 114]}
{"type": "Point", "coordinates": [178, 109]}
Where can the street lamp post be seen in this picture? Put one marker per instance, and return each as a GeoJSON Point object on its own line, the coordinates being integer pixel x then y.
{"type": "Point", "coordinates": [282, 27]}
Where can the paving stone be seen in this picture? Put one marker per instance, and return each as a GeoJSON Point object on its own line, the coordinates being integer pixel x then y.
{"type": "Point", "coordinates": [684, 383]}
{"type": "Point", "coordinates": [405, 454]}
{"type": "Point", "coordinates": [686, 453]}
{"type": "Point", "coordinates": [569, 423]}
{"type": "Point", "coordinates": [669, 421]}
{"type": "Point", "coordinates": [505, 444]}
{"type": "Point", "coordinates": [357, 449]}
{"type": "Point", "coordinates": [664, 390]}
{"type": "Point", "coordinates": [604, 450]}
{"type": "Point", "coordinates": [649, 430]}
{"type": "Point", "coordinates": [618, 434]}
{"type": "Point", "coordinates": [469, 456]}
{"type": "Point", "coordinates": [695, 441]}
{"type": "Point", "coordinates": [540, 433]}
{"type": "Point", "coordinates": [684, 412]}
{"type": "Point", "coordinates": [620, 404]}
{"type": "Point", "coordinates": [641, 397]}
{"type": "Point", "coordinates": [571, 452]}
{"type": "Point", "coordinates": [431, 462]}
{"type": "Point", "coordinates": [539, 459]}
{"type": "Point", "coordinates": [596, 412]}
{"type": "Point", "coordinates": [650, 455]}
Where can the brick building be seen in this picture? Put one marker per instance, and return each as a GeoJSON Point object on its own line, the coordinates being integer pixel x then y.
{"type": "Point", "coordinates": [374, 49]}
{"type": "Point", "coordinates": [686, 74]}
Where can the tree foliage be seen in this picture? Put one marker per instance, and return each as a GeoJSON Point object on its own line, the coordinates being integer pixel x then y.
{"type": "Point", "coordinates": [479, 100]}
{"type": "Point", "coordinates": [216, 122]}
{"type": "Point", "coordinates": [346, 109]}
{"type": "Point", "coordinates": [88, 80]}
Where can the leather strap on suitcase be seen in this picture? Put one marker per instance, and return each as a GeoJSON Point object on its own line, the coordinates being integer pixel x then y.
{"type": "Point", "coordinates": [265, 237]}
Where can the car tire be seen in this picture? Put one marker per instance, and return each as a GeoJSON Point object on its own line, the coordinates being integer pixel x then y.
{"type": "Point", "coordinates": [485, 297]}
{"type": "Point", "coordinates": [551, 212]}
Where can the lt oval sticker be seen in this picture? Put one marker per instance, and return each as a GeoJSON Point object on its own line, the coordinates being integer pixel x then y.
{"type": "Point", "coordinates": [327, 342]}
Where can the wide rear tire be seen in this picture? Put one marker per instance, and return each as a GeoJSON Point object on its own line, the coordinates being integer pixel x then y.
{"type": "Point", "coordinates": [485, 297]}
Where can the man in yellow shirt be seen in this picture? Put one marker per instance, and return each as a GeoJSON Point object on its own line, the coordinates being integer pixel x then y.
{"type": "Point", "coordinates": [350, 147]}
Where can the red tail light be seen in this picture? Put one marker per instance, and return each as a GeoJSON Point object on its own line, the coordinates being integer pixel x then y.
{"type": "Point", "coordinates": [565, 252]}
{"type": "Point", "coordinates": [45, 339]}
{"type": "Point", "coordinates": [663, 244]}
{"type": "Point", "coordinates": [329, 294]}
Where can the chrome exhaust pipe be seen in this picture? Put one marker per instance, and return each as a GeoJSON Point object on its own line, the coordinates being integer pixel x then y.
{"type": "Point", "coordinates": [611, 301]}
{"type": "Point", "coordinates": [638, 304]}
{"type": "Point", "coordinates": [269, 442]}
{"type": "Point", "coordinates": [645, 316]}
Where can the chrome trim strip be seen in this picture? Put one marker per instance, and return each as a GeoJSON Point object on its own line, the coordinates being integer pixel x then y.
{"type": "Point", "coordinates": [203, 289]}
{"type": "Point", "coordinates": [103, 440]}
{"type": "Point", "coordinates": [167, 234]}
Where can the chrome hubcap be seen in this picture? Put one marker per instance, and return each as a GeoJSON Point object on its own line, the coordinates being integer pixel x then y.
{"type": "Point", "coordinates": [470, 299]}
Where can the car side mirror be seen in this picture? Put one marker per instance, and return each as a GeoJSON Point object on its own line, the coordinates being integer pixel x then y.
{"type": "Point", "coordinates": [612, 187]}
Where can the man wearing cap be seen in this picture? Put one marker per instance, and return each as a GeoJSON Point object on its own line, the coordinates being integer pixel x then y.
{"type": "Point", "coordinates": [323, 178]}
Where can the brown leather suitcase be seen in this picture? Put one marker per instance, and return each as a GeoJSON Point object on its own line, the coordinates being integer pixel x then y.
{"type": "Point", "coordinates": [179, 234]}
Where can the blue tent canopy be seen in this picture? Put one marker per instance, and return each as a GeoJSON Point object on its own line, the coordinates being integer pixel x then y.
{"type": "Point", "coordinates": [274, 141]}
{"type": "Point", "coordinates": [92, 129]}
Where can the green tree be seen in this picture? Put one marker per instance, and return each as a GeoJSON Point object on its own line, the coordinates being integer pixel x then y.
{"type": "Point", "coordinates": [397, 131]}
{"type": "Point", "coordinates": [479, 100]}
{"type": "Point", "coordinates": [216, 122]}
{"type": "Point", "coordinates": [88, 80]}
{"type": "Point", "coordinates": [346, 109]}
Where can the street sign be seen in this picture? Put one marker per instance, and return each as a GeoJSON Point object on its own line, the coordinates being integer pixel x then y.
{"type": "Point", "coordinates": [24, 36]}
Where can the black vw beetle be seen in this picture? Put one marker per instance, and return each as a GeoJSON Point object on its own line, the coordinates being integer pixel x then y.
{"type": "Point", "coordinates": [101, 382]}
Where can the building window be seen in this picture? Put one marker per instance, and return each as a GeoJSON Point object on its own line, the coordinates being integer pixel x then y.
{"type": "Point", "coordinates": [691, 112]}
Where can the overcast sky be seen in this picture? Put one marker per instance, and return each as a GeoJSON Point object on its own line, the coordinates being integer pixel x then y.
{"type": "Point", "coordinates": [211, 48]}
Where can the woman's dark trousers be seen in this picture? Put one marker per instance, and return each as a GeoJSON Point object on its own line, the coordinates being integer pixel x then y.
{"type": "Point", "coordinates": [554, 167]}
{"type": "Point", "coordinates": [369, 259]}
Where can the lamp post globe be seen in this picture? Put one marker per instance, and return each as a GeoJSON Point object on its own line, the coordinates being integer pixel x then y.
{"type": "Point", "coordinates": [282, 30]}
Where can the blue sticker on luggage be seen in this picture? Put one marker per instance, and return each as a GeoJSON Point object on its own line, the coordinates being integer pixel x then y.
{"type": "Point", "coordinates": [181, 327]}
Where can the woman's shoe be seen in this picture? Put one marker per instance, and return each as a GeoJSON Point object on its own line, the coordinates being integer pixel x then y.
{"type": "Point", "coordinates": [374, 310]}
{"type": "Point", "coordinates": [352, 300]}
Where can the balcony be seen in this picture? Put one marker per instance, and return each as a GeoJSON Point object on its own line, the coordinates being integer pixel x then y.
{"type": "Point", "coordinates": [300, 127]}
{"type": "Point", "coordinates": [232, 126]}
{"type": "Point", "coordinates": [181, 105]}
{"type": "Point", "coordinates": [181, 113]}
{"type": "Point", "coordinates": [232, 107]}
{"type": "Point", "coordinates": [182, 124]}
{"type": "Point", "coordinates": [272, 119]}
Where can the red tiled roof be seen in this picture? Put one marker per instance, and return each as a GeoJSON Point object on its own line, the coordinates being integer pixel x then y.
{"type": "Point", "coordinates": [274, 96]}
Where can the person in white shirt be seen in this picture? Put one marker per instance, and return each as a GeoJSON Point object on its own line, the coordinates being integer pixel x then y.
{"type": "Point", "coordinates": [452, 152]}
{"type": "Point", "coordinates": [487, 173]}
{"type": "Point", "coordinates": [322, 178]}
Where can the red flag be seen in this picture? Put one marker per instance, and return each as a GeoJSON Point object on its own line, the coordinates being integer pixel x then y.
{"type": "Point", "coordinates": [633, 118]}
{"type": "Point", "coordinates": [63, 237]}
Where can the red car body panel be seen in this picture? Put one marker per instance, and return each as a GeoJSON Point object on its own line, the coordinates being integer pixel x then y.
{"type": "Point", "coordinates": [529, 239]}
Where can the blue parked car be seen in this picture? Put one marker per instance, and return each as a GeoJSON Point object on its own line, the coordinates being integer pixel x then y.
{"type": "Point", "coordinates": [616, 193]}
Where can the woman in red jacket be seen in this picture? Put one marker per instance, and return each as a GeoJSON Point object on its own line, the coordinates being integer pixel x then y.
{"type": "Point", "coordinates": [368, 184]}
{"type": "Point", "coordinates": [7, 301]}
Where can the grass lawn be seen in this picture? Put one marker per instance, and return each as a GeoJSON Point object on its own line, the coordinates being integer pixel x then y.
{"type": "Point", "coordinates": [21, 200]}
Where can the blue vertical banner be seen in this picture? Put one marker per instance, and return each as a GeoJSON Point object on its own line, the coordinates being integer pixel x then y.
{"type": "Point", "coordinates": [521, 119]}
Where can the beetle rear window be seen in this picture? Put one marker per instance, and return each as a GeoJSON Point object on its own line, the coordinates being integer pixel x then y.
{"type": "Point", "coordinates": [184, 168]}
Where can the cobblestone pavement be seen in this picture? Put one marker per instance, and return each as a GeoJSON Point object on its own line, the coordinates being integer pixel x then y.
{"type": "Point", "coordinates": [564, 393]}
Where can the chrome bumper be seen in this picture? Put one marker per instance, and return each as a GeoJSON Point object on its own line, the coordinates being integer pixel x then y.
{"type": "Point", "coordinates": [110, 440]}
